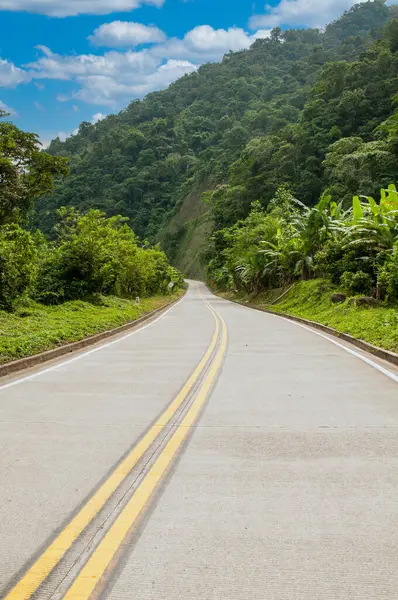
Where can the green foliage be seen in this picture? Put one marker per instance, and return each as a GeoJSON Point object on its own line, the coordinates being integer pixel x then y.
{"type": "Point", "coordinates": [33, 328]}
{"type": "Point", "coordinates": [356, 248]}
{"type": "Point", "coordinates": [96, 255]}
{"type": "Point", "coordinates": [261, 118]}
{"type": "Point", "coordinates": [358, 167]}
{"type": "Point", "coordinates": [17, 264]}
{"type": "Point", "coordinates": [25, 172]}
{"type": "Point", "coordinates": [388, 276]}
{"type": "Point", "coordinates": [312, 300]}
{"type": "Point", "coordinates": [90, 255]}
{"type": "Point", "coordinates": [356, 283]}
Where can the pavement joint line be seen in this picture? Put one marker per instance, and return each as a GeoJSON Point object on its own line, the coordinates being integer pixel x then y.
{"type": "Point", "coordinates": [98, 564]}
{"type": "Point", "coordinates": [41, 568]}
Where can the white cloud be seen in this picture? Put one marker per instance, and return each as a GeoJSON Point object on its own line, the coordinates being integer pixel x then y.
{"type": "Point", "coordinates": [108, 91]}
{"type": "Point", "coordinates": [203, 43]}
{"type": "Point", "coordinates": [75, 108]}
{"type": "Point", "coordinates": [68, 8]}
{"type": "Point", "coordinates": [261, 34]}
{"type": "Point", "coordinates": [309, 13]}
{"type": "Point", "coordinates": [39, 106]}
{"type": "Point", "coordinates": [113, 77]}
{"type": "Point", "coordinates": [7, 109]}
{"type": "Point", "coordinates": [204, 38]}
{"type": "Point", "coordinates": [117, 77]}
{"type": "Point", "coordinates": [45, 142]}
{"type": "Point", "coordinates": [123, 33]}
{"type": "Point", "coordinates": [62, 135]}
{"type": "Point", "coordinates": [97, 117]}
{"type": "Point", "coordinates": [10, 75]}
{"type": "Point", "coordinates": [55, 66]}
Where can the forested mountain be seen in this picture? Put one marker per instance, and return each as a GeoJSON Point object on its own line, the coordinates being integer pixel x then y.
{"type": "Point", "coordinates": [310, 109]}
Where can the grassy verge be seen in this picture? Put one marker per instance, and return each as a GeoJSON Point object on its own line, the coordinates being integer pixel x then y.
{"type": "Point", "coordinates": [311, 300]}
{"type": "Point", "coordinates": [34, 328]}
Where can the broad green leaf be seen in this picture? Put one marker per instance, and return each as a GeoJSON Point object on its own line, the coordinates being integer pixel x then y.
{"type": "Point", "coordinates": [333, 208]}
{"type": "Point", "coordinates": [374, 206]}
{"type": "Point", "coordinates": [357, 208]}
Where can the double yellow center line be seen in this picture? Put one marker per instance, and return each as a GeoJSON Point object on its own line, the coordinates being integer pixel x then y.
{"type": "Point", "coordinates": [96, 566]}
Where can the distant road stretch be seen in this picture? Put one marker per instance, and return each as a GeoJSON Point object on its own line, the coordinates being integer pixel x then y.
{"type": "Point", "coordinates": [217, 453]}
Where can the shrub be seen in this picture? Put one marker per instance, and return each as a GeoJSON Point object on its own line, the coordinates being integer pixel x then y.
{"type": "Point", "coordinates": [49, 287]}
{"type": "Point", "coordinates": [388, 277]}
{"type": "Point", "coordinates": [155, 268]}
{"type": "Point", "coordinates": [17, 264]}
{"type": "Point", "coordinates": [356, 283]}
{"type": "Point", "coordinates": [96, 255]}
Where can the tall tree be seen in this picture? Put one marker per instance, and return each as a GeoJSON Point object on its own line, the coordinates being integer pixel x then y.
{"type": "Point", "coordinates": [25, 171]}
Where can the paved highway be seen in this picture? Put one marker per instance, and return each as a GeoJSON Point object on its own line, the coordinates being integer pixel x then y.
{"type": "Point", "coordinates": [217, 453]}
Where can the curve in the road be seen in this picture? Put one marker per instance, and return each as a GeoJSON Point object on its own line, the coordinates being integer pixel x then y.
{"type": "Point", "coordinates": [49, 559]}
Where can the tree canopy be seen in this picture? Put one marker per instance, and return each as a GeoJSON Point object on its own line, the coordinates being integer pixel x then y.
{"type": "Point", "coordinates": [89, 253]}
{"type": "Point", "coordinates": [25, 172]}
{"type": "Point", "coordinates": [260, 118]}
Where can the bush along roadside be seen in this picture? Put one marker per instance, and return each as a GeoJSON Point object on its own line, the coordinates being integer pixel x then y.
{"type": "Point", "coordinates": [361, 316]}
{"type": "Point", "coordinates": [84, 279]}
{"type": "Point", "coordinates": [354, 251]}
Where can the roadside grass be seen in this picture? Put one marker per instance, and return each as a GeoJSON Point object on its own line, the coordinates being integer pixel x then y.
{"type": "Point", "coordinates": [312, 300]}
{"type": "Point", "coordinates": [34, 328]}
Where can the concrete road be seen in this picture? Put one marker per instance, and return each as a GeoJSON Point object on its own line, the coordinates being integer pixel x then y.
{"type": "Point", "coordinates": [274, 474]}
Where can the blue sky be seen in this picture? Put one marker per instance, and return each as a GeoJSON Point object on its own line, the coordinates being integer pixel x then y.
{"type": "Point", "coordinates": [65, 61]}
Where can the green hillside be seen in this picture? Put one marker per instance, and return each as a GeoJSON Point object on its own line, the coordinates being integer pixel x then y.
{"type": "Point", "coordinates": [233, 132]}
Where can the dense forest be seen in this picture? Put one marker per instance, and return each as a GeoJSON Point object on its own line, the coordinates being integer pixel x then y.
{"type": "Point", "coordinates": [307, 108]}
{"type": "Point", "coordinates": [355, 248]}
{"type": "Point", "coordinates": [88, 255]}
{"type": "Point", "coordinates": [275, 165]}
{"type": "Point", "coordinates": [268, 148]}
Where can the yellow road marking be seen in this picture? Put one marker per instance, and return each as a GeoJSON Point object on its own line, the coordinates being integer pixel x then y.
{"type": "Point", "coordinates": [89, 576]}
{"type": "Point", "coordinates": [42, 567]}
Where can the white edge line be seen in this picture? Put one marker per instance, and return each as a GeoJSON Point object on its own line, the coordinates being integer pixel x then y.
{"type": "Point", "coordinates": [369, 361]}
{"type": "Point", "coordinates": [365, 359]}
{"type": "Point", "coordinates": [87, 352]}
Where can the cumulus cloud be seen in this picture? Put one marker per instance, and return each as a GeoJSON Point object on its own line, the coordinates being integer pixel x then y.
{"type": "Point", "coordinates": [309, 13]}
{"type": "Point", "coordinates": [106, 90]}
{"type": "Point", "coordinates": [10, 75]}
{"type": "Point", "coordinates": [56, 66]}
{"type": "Point", "coordinates": [116, 77]}
{"type": "Point", "coordinates": [113, 78]}
{"type": "Point", "coordinates": [203, 43]}
{"type": "Point", "coordinates": [126, 34]}
{"type": "Point", "coordinates": [204, 38]}
{"type": "Point", "coordinates": [69, 8]}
